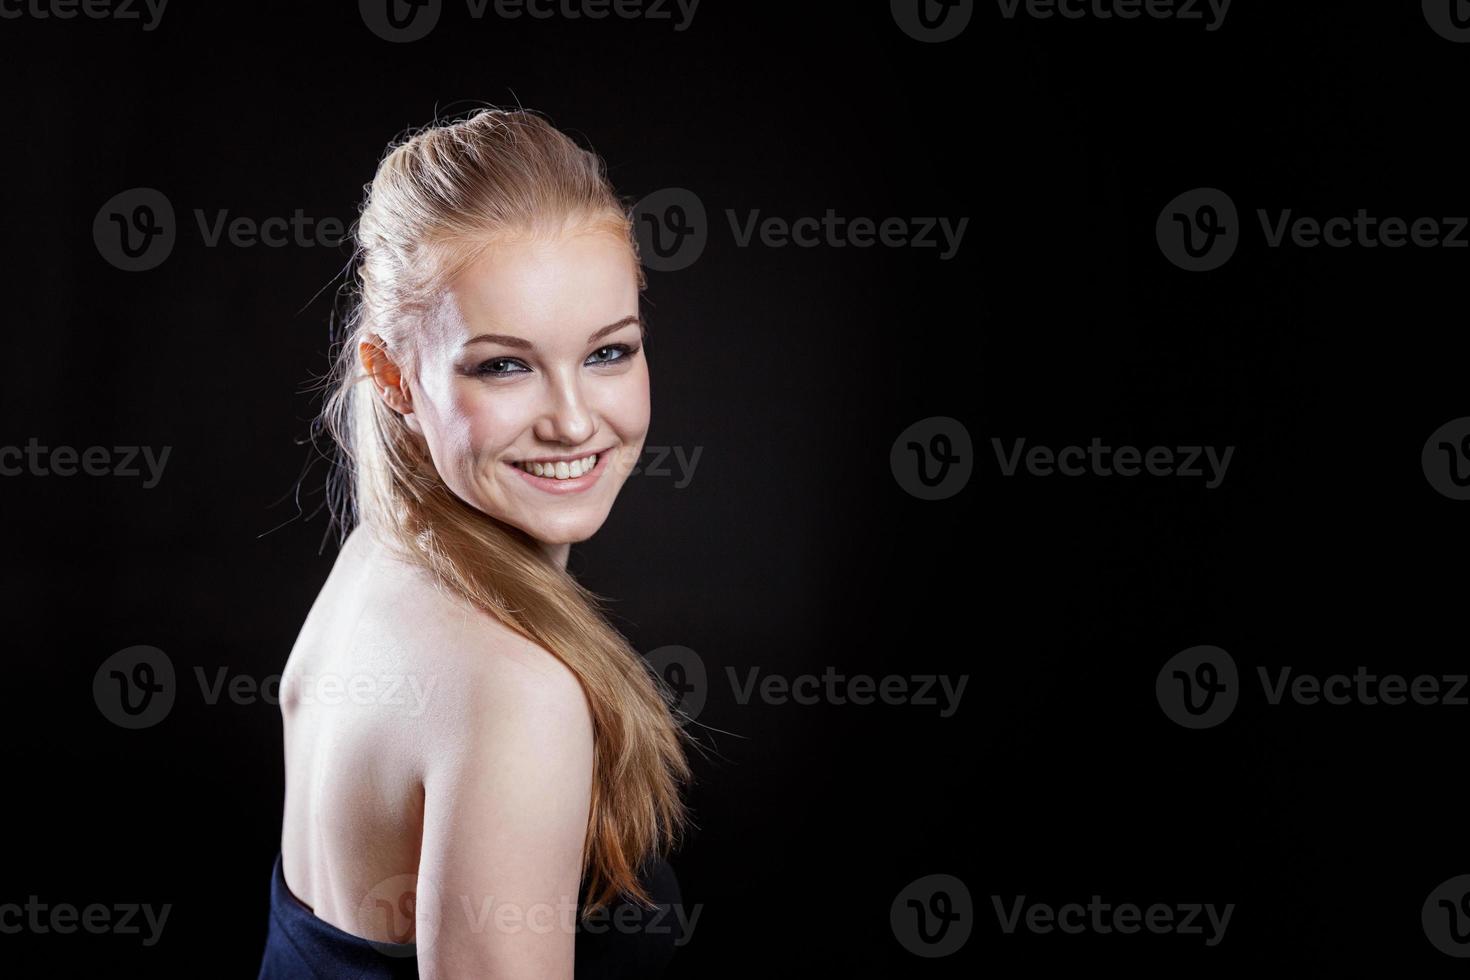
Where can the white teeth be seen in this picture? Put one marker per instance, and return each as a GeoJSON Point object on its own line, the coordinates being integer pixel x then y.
{"type": "Point", "coordinates": [562, 471]}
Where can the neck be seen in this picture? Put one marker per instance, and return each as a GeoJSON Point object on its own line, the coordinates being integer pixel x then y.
{"type": "Point", "coordinates": [558, 553]}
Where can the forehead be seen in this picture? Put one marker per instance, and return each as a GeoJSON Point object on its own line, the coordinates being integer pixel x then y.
{"type": "Point", "coordinates": [544, 288]}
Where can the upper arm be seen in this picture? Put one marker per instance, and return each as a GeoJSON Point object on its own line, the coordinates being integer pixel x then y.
{"type": "Point", "coordinates": [507, 790]}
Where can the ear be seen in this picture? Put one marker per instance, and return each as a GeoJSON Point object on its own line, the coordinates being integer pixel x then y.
{"type": "Point", "coordinates": [386, 375]}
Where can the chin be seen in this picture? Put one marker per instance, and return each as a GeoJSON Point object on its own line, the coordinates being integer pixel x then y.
{"type": "Point", "coordinates": [563, 532]}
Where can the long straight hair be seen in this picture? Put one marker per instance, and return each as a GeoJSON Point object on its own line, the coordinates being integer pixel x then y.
{"type": "Point", "coordinates": [439, 196]}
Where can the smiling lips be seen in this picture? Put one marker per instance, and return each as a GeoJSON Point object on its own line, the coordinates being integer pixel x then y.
{"type": "Point", "coordinates": [563, 476]}
{"type": "Point", "coordinates": [561, 470]}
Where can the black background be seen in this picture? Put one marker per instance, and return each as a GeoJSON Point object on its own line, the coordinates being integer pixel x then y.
{"type": "Point", "coordinates": [793, 547]}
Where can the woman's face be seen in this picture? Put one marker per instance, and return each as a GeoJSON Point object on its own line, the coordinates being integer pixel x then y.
{"type": "Point", "coordinates": [536, 363]}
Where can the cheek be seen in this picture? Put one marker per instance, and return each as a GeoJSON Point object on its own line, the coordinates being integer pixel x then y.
{"type": "Point", "coordinates": [487, 424]}
{"type": "Point", "coordinates": [626, 404]}
{"type": "Point", "coordinates": [458, 423]}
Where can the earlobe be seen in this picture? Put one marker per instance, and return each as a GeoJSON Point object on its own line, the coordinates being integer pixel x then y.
{"type": "Point", "coordinates": [385, 374]}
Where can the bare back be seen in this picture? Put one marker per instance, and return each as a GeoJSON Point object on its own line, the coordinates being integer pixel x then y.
{"type": "Point", "coordinates": [380, 700]}
{"type": "Point", "coordinates": [354, 798]}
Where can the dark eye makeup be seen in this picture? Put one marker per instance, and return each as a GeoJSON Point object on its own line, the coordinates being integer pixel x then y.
{"type": "Point", "coordinates": [505, 367]}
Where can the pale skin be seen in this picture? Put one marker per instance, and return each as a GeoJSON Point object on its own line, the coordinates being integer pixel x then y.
{"type": "Point", "coordinates": [460, 766]}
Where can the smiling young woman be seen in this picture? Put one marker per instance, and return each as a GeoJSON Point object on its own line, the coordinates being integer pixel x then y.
{"type": "Point", "coordinates": [490, 398]}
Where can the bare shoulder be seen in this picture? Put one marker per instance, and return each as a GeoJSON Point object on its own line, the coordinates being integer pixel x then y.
{"type": "Point", "coordinates": [381, 616]}
{"type": "Point", "coordinates": [478, 678]}
{"type": "Point", "coordinates": [485, 662]}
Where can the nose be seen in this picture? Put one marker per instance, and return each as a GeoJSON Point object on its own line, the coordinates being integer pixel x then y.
{"type": "Point", "coordinates": [566, 418]}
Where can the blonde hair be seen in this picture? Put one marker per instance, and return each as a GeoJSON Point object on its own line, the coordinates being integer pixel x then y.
{"type": "Point", "coordinates": [439, 197]}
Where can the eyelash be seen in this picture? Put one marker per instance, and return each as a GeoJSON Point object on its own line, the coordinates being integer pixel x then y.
{"type": "Point", "coordinates": [625, 352]}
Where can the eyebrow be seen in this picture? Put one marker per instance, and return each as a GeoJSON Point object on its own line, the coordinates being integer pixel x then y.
{"type": "Point", "coordinates": [522, 344]}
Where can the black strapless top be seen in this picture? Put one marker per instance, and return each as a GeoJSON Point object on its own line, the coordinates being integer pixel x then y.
{"type": "Point", "coordinates": [623, 940]}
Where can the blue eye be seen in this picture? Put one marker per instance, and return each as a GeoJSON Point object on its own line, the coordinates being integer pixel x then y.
{"type": "Point", "coordinates": [504, 367]}
{"type": "Point", "coordinates": [622, 352]}
{"type": "Point", "coordinates": [495, 369]}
